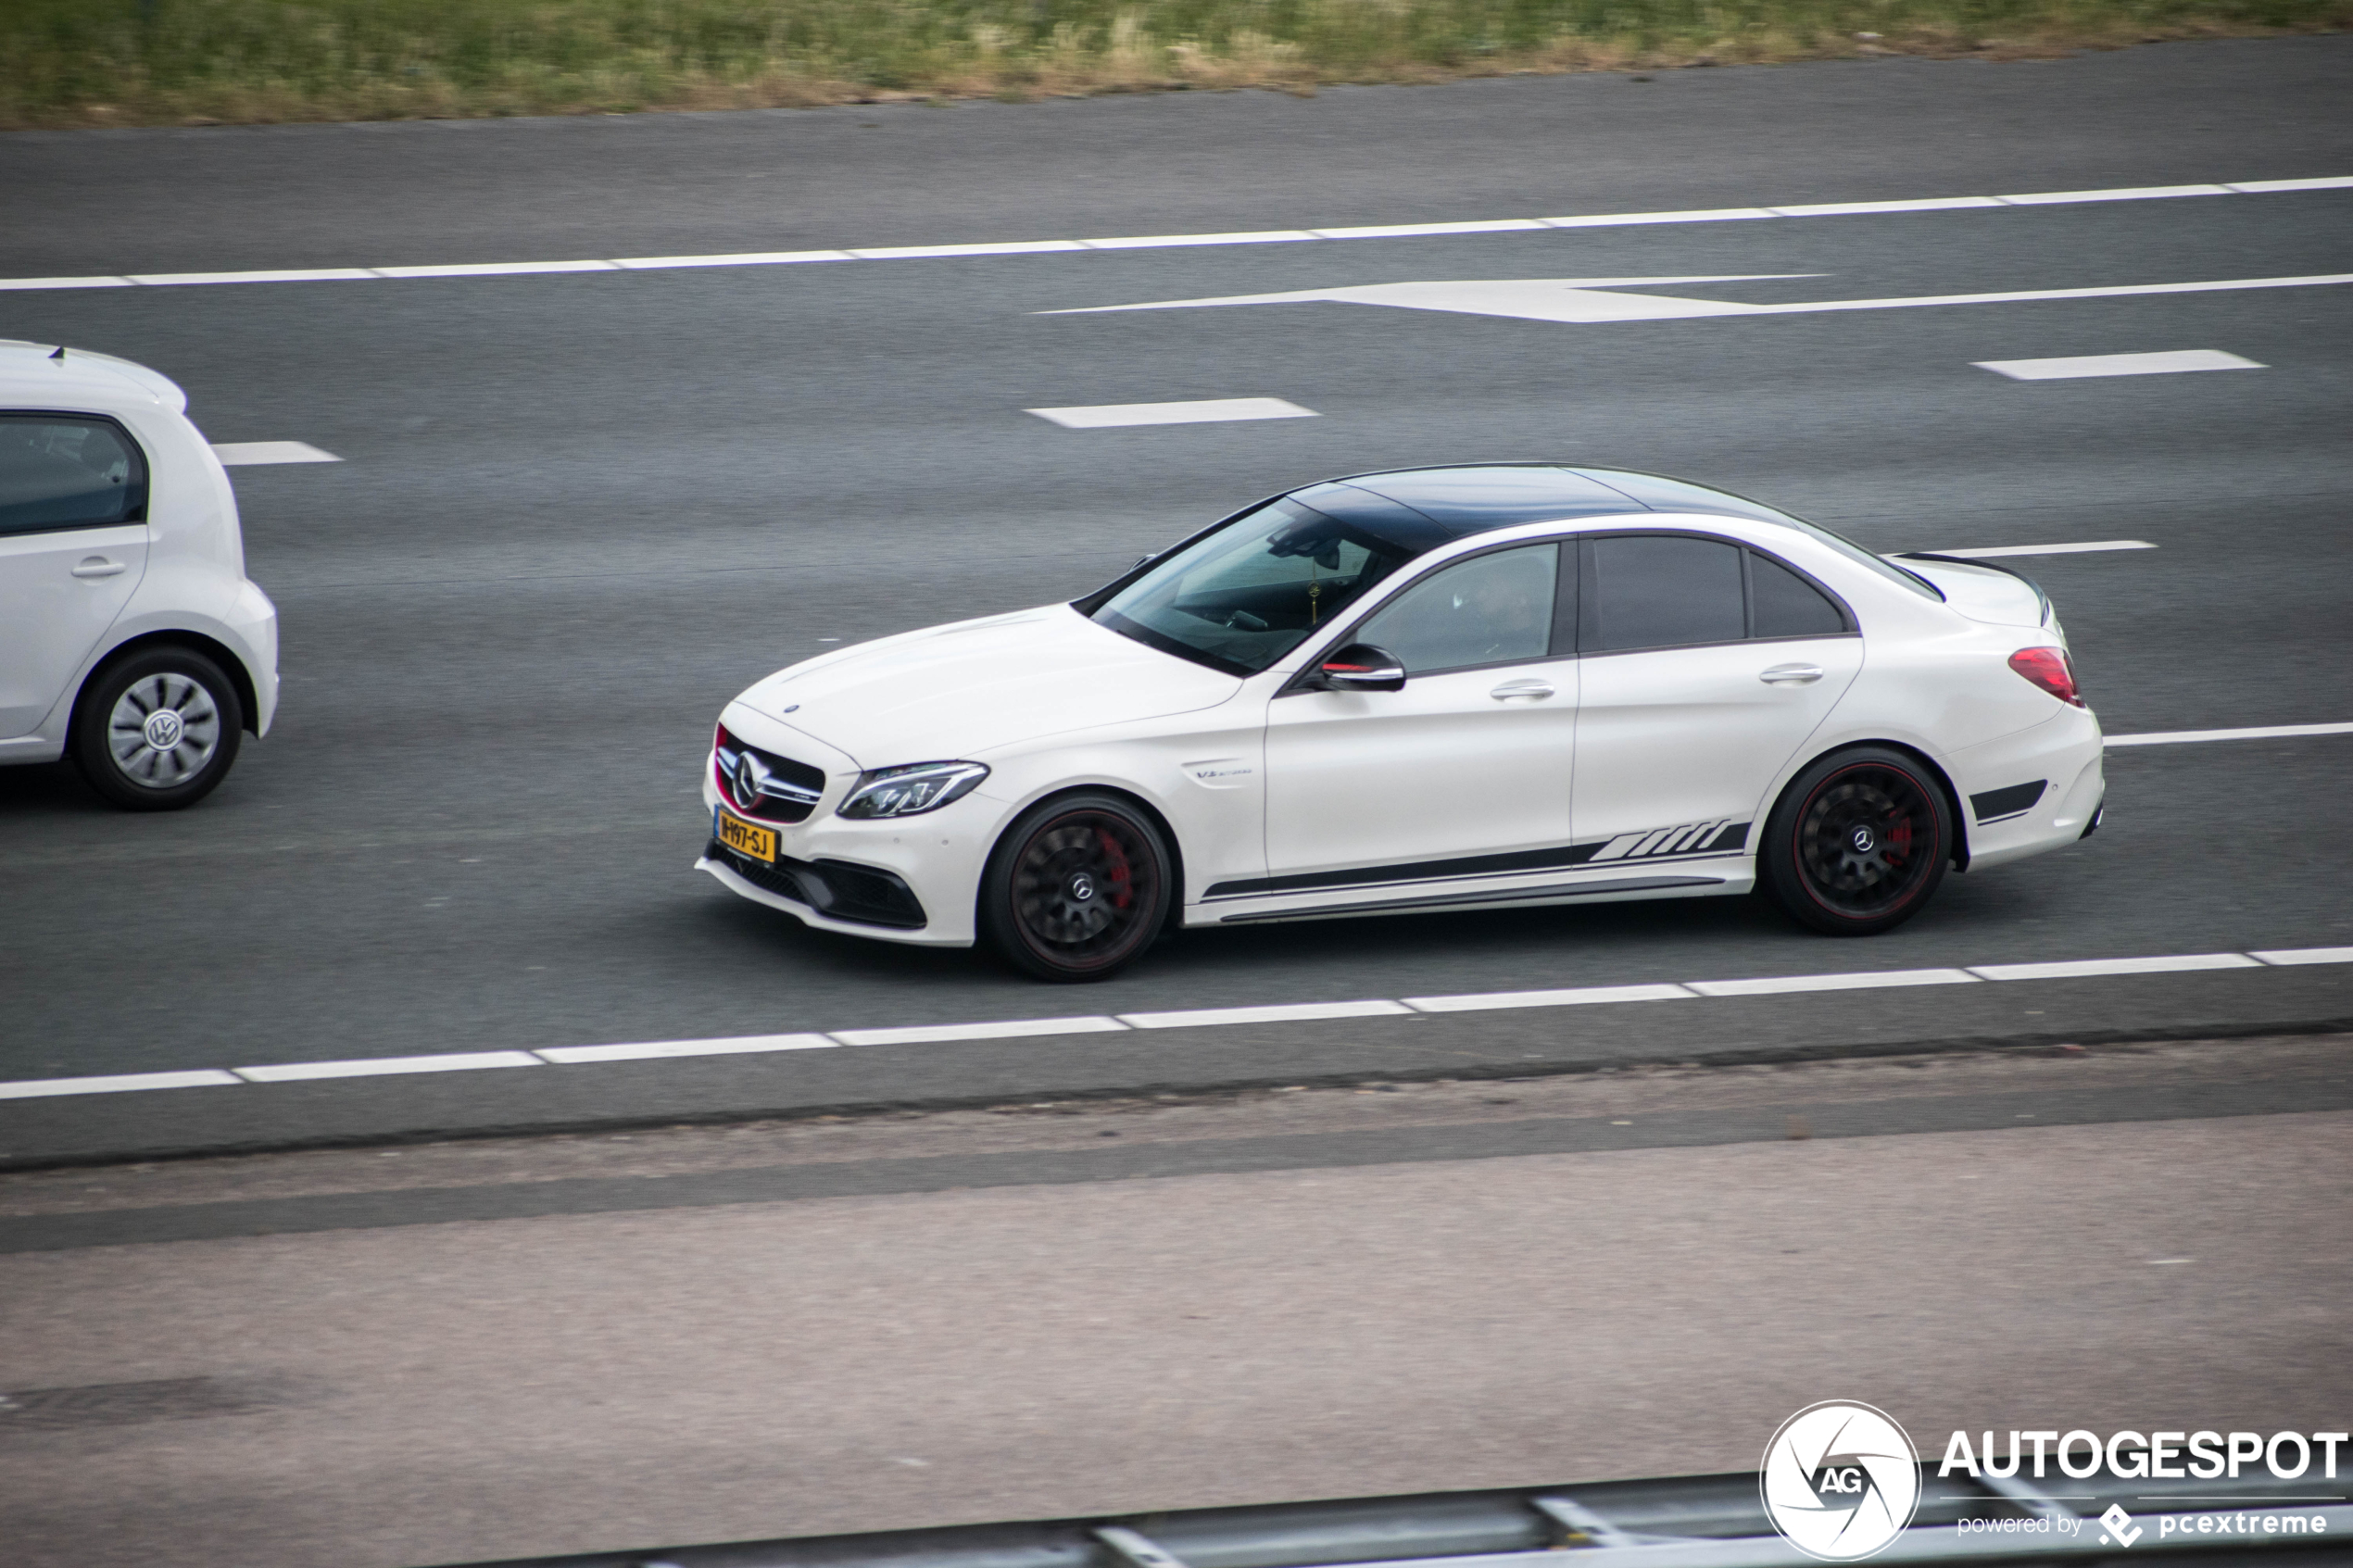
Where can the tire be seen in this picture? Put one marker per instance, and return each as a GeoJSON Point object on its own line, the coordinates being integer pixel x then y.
{"type": "Point", "coordinates": [1076, 889]}
{"type": "Point", "coordinates": [157, 731]}
{"type": "Point", "coordinates": [1857, 843]}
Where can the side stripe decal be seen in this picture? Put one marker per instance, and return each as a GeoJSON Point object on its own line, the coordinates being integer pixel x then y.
{"type": "Point", "coordinates": [1717, 837]}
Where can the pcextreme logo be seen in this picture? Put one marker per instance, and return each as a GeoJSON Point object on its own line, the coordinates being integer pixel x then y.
{"type": "Point", "coordinates": [1840, 1481]}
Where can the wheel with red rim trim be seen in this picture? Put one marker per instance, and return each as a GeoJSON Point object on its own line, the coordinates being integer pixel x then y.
{"type": "Point", "coordinates": [1077, 888]}
{"type": "Point", "coordinates": [1857, 841]}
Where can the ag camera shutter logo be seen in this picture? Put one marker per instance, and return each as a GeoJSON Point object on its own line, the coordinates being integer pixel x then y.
{"type": "Point", "coordinates": [1840, 1481]}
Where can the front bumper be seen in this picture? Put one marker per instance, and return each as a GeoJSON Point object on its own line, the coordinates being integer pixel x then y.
{"type": "Point", "coordinates": [910, 879]}
{"type": "Point", "coordinates": [836, 890]}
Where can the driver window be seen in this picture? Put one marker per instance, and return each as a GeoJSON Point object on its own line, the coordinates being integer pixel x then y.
{"type": "Point", "coordinates": [1494, 608]}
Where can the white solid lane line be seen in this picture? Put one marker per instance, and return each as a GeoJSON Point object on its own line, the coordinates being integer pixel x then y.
{"type": "Point", "coordinates": [2267, 731]}
{"type": "Point", "coordinates": [373, 1067]}
{"type": "Point", "coordinates": [1841, 210]}
{"type": "Point", "coordinates": [1872, 980]}
{"type": "Point", "coordinates": [1293, 1012]}
{"type": "Point", "coordinates": [118, 1084]}
{"type": "Point", "coordinates": [2264, 187]}
{"type": "Point", "coordinates": [2129, 193]}
{"type": "Point", "coordinates": [1301, 1013]}
{"type": "Point", "coordinates": [248, 453]}
{"type": "Point", "coordinates": [664, 1050]}
{"type": "Point", "coordinates": [2084, 548]}
{"type": "Point", "coordinates": [1212, 410]}
{"type": "Point", "coordinates": [2171, 362]}
{"type": "Point", "coordinates": [1489, 1001]}
{"type": "Point", "coordinates": [2081, 968]}
{"type": "Point", "coordinates": [2305, 955]}
{"type": "Point", "coordinates": [1148, 242]}
{"type": "Point", "coordinates": [1015, 1029]}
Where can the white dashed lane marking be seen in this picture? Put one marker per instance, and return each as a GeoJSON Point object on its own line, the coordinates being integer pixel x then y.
{"type": "Point", "coordinates": [1870, 980]}
{"type": "Point", "coordinates": [380, 1066]}
{"type": "Point", "coordinates": [1034, 1028]}
{"type": "Point", "coordinates": [2084, 968]}
{"type": "Point", "coordinates": [661, 1050]}
{"type": "Point", "coordinates": [1212, 410]}
{"type": "Point", "coordinates": [235, 453]}
{"type": "Point", "coordinates": [1156, 242]}
{"type": "Point", "coordinates": [2171, 362]}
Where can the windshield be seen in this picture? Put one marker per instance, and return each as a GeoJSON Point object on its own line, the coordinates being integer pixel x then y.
{"type": "Point", "coordinates": [1250, 593]}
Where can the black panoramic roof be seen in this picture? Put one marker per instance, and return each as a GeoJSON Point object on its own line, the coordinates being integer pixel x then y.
{"type": "Point", "coordinates": [1422, 508]}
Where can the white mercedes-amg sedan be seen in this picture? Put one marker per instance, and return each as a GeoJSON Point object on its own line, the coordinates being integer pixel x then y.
{"type": "Point", "coordinates": [1482, 686]}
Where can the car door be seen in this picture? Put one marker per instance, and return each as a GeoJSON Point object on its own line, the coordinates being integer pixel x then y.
{"type": "Point", "coordinates": [1706, 665]}
{"type": "Point", "coordinates": [1470, 759]}
{"type": "Point", "coordinates": [73, 545]}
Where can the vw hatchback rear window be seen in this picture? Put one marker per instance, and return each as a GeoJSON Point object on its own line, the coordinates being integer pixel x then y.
{"type": "Point", "coordinates": [65, 471]}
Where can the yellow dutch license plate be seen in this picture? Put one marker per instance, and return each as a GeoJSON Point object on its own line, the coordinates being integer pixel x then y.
{"type": "Point", "coordinates": [747, 840]}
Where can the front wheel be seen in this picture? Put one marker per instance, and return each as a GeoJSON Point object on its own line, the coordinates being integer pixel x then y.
{"type": "Point", "coordinates": [157, 731]}
{"type": "Point", "coordinates": [1857, 843]}
{"type": "Point", "coordinates": [1077, 888]}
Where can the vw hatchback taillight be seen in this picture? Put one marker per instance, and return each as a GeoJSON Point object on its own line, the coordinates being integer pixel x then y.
{"type": "Point", "coordinates": [2049, 669]}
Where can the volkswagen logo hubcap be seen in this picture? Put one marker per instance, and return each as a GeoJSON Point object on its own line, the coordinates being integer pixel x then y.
{"type": "Point", "coordinates": [163, 729]}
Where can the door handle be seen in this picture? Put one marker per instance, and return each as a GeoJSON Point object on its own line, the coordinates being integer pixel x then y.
{"type": "Point", "coordinates": [1791, 675]}
{"type": "Point", "coordinates": [1531, 691]}
{"type": "Point", "coordinates": [98, 566]}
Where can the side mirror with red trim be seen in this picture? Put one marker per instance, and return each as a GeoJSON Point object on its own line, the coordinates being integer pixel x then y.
{"type": "Point", "coordinates": [1360, 667]}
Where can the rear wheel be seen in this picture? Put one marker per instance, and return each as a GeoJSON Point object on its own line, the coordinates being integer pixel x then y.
{"type": "Point", "coordinates": [157, 731]}
{"type": "Point", "coordinates": [1076, 889]}
{"type": "Point", "coordinates": [1857, 843]}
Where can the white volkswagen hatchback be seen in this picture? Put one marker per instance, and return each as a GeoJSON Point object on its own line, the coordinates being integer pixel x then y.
{"type": "Point", "coordinates": [130, 639]}
{"type": "Point", "coordinates": [1451, 688]}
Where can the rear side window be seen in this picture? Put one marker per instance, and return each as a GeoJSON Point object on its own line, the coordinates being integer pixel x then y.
{"type": "Point", "coordinates": [66, 470]}
{"type": "Point", "coordinates": [1669, 590]}
{"type": "Point", "coordinates": [1782, 604]}
{"type": "Point", "coordinates": [1651, 591]}
{"type": "Point", "coordinates": [1494, 608]}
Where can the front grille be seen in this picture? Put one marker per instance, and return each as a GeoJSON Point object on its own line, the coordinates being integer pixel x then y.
{"type": "Point", "coordinates": [860, 895]}
{"type": "Point", "coordinates": [784, 791]}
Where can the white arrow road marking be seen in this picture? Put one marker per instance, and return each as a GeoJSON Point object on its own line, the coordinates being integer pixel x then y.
{"type": "Point", "coordinates": [1529, 299]}
{"type": "Point", "coordinates": [1590, 300]}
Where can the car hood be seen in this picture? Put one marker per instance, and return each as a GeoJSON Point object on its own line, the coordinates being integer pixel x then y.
{"type": "Point", "coordinates": [1982, 593]}
{"type": "Point", "coordinates": [966, 689]}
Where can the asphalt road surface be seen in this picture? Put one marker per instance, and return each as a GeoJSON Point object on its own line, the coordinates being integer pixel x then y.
{"type": "Point", "coordinates": [576, 512]}
{"type": "Point", "coordinates": [614, 1342]}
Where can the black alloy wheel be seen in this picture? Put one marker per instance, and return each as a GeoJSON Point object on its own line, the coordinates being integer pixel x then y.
{"type": "Point", "coordinates": [1077, 888]}
{"type": "Point", "coordinates": [1857, 841]}
{"type": "Point", "coordinates": [157, 730]}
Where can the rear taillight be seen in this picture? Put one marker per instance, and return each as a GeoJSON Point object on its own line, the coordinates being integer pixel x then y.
{"type": "Point", "coordinates": [2049, 669]}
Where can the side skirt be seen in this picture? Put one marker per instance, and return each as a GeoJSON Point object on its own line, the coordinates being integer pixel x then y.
{"type": "Point", "coordinates": [1605, 890]}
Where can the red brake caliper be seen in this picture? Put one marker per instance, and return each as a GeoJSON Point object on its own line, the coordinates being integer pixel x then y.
{"type": "Point", "coordinates": [1122, 892]}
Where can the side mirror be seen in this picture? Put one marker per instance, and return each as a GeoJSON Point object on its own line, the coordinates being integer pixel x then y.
{"type": "Point", "coordinates": [1360, 667]}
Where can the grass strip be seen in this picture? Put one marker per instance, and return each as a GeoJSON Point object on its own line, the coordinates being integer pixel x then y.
{"type": "Point", "coordinates": [129, 62]}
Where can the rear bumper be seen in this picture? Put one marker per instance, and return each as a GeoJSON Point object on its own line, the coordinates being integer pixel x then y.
{"type": "Point", "coordinates": [1996, 780]}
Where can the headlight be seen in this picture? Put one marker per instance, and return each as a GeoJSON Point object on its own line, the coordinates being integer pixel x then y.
{"type": "Point", "coordinates": [918, 786]}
